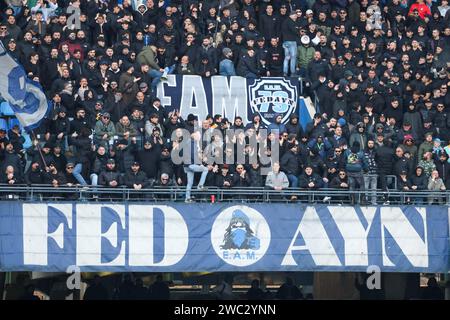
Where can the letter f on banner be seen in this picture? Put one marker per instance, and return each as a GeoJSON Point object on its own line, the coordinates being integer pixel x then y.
{"type": "Point", "coordinates": [36, 231]}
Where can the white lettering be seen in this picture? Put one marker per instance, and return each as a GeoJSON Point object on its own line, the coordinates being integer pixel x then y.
{"type": "Point", "coordinates": [355, 236]}
{"type": "Point", "coordinates": [35, 231]}
{"type": "Point", "coordinates": [316, 241]}
{"type": "Point", "coordinates": [141, 236]}
{"type": "Point", "coordinates": [193, 89]}
{"type": "Point", "coordinates": [89, 235]}
{"type": "Point", "coordinates": [394, 221]}
{"type": "Point", "coordinates": [229, 101]}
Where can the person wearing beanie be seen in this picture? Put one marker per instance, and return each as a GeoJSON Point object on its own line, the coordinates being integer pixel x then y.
{"type": "Point", "coordinates": [226, 65]}
{"type": "Point", "coordinates": [355, 164]}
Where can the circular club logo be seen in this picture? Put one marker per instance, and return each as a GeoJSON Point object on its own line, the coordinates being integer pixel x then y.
{"type": "Point", "coordinates": [240, 236]}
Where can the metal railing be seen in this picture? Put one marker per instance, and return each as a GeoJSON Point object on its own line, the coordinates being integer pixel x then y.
{"type": "Point", "coordinates": [37, 193]}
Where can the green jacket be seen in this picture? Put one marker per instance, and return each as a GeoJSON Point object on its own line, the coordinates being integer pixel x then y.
{"type": "Point", "coordinates": [424, 148]}
{"type": "Point", "coordinates": [101, 129]}
{"type": "Point", "coordinates": [121, 129]}
{"type": "Point", "coordinates": [147, 56]}
{"type": "Point", "coordinates": [304, 55]}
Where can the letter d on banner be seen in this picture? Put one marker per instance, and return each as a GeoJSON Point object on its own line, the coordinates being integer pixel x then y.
{"type": "Point", "coordinates": [142, 235]}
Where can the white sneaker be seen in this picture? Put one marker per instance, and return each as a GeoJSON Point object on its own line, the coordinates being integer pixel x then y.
{"type": "Point", "coordinates": [326, 199]}
{"type": "Point", "coordinates": [189, 200]}
{"type": "Point", "coordinates": [164, 75]}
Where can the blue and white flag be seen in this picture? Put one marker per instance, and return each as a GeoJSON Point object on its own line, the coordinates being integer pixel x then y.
{"type": "Point", "coordinates": [25, 96]}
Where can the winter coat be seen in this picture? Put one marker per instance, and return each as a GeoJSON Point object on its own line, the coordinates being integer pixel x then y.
{"type": "Point", "coordinates": [101, 129]}
{"type": "Point", "coordinates": [107, 176]}
{"type": "Point", "coordinates": [290, 163]}
{"type": "Point", "coordinates": [384, 157]}
{"type": "Point", "coordinates": [149, 160]}
{"type": "Point", "coordinates": [306, 179]}
{"type": "Point", "coordinates": [131, 178]}
{"type": "Point", "coordinates": [277, 180]}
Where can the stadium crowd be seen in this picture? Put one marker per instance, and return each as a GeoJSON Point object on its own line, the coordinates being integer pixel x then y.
{"type": "Point", "coordinates": [379, 68]}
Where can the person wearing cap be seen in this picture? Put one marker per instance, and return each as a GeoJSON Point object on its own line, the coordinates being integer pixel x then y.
{"type": "Point", "coordinates": [135, 178]}
{"type": "Point", "coordinates": [110, 177]}
{"type": "Point", "coordinates": [226, 65]}
{"type": "Point", "coordinates": [34, 174]}
{"type": "Point", "coordinates": [305, 53]}
{"type": "Point", "coordinates": [224, 179]}
{"type": "Point", "coordinates": [290, 35]}
{"type": "Point", "coordinates": [54, 177]}
{"type": "Point", "coordinates": [104, 130]}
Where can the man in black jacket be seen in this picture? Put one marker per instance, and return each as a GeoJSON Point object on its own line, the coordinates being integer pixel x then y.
{"type": "Point", "coordinates": [248, 65]}
{"type": "Point", "coordinates": [291, 164]}
{"type": "Point", "coordinates": [275, 58]}
{"type": "Point", "coordinates": [135, 178]}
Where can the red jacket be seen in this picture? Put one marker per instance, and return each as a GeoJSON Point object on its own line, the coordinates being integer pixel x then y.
{"type": "Point", "coordinates": [422, 8]}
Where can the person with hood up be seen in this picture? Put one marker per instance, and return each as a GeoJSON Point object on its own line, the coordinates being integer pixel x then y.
{"type": "Point", "coordinates": [414, 117]}
{"type": "Point", "coordinates": [443, 168]}
{"type": "Point", "coordinates": [418, 182]}
{"type": "Point", "coordinates": [294, 127]}
{"type": "Point", "coordinates": [277, 127]}
{"type": "Point", "coordinates": [409, 145]}
{"type": "Point", "coordinates": [359, 135]}
{"type": "Point", "coordinates": [355, 164]}
{"type": "Point", "coordinates": [204, 67]}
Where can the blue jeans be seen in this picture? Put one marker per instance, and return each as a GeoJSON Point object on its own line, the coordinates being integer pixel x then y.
{"type": "Point", "coordinates": [77, 174]}
{"type": "Point", "coordinates": [94, 179]}
{"type": "Point", "coordinates": [156, 75]}
{"type": "Point", "coordinates": [190, 172]}
{"type": "Point", "coordinates": [293, 181]}
{"type": "Point", "coordinates": [290, 56]}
